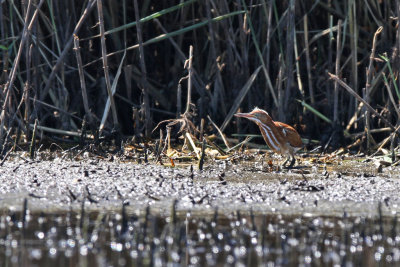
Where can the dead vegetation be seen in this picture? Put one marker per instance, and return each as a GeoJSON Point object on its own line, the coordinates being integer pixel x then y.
{"type": "Point", "coordinates": [330, 68]}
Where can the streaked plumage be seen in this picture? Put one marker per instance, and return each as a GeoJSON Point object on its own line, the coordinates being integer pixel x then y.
{"type": "Point", "coordinates": [280, 137]}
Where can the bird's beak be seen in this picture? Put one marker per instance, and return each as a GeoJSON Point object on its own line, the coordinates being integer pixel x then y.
{"type": "Point", "coordinates": [244, 115]}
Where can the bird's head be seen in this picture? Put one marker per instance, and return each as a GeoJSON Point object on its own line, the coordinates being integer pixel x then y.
{"type": "Point", "coordinates": [257, 115]}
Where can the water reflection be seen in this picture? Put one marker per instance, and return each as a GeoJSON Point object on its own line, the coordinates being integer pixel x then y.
{"type": "Point", "coordinates": [119, 239]}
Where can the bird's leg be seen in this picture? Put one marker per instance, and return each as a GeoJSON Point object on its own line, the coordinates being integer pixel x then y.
{"type": "Point", "coordinates": [286, 161]}
{"type": "Point", "coordinates": [292, 162]}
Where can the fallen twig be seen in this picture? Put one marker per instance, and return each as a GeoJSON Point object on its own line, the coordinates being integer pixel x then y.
{"type": "Point", "coordinates": [219, 131]}
{"type": "Point", "coordinates": [359, 98]}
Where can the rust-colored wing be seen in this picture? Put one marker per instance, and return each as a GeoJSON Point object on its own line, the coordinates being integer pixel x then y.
{"type": "Point", "coordinates": [291, 134]}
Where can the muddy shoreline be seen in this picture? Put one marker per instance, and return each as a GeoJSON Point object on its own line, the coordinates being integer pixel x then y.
{"type": "Point", "coordinates": [314, 189]}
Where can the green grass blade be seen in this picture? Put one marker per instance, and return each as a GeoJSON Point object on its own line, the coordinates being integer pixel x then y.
{"type": "Point", "coordinates": [172, 34]}
{"type": "Point", "coordinates": [259, 54]}
{"type": "Point", "coordinates": [191, 27]}
{"type": "Point", "coordinates": [150, 17]}
{"type": "Point", "coordinates": [316, 112]}
{"type": "Point", "coordinates": [391, 75]}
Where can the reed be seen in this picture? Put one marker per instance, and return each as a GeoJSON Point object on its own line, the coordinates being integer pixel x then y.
{"type": "Point", "coordinates": [294, 44]}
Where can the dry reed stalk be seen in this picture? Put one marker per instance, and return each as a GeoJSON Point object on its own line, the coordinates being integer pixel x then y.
{"type": "Point", "coordinates": [197, 80]}
{"type": "Point", "coordinates": [4, 55]}
{"type": "Point", "coordinates": [191, 142]}
{"type": "Point", "coordinates": [330, 52]}
{"type": "Point", "coordinates": [374, 86]}
{"type": "Point", "coordinates": [27, 90]}
{"type": "Point", "coordinates": [269, 30]}
{"type": "Point", "coordinates": [10, 129]}
{"type": "Point", "coordinates": [13, 73]}
{"type": "Point", "coordinates": [368, 85]}
{"type": "Point", "coordinates": [33, 141]}
{"type": "Point", "coordinates": [308, 61]}
{"type": "Point", "coordinates": [395, 105]}
{"type": "Point", "coordinates": [215, 146]}
{"type": "Point", "coordinates": [387, 139]}
{"type": "Point", "coordinates": [297, 64]}
{"type": "Point", "coordinates": [27, 85]}
{"type": "Point", "coordinates": [359, 98]}
{"type": "Point", "coordinates": [179, 101]}
{"type": "Point", "coordinates": [290, 35]}
{"type": "Point", "coordinates": [218, 99]}
{"type": "Point", "coordinates": [68, 45]}
{"type": "Point", "coordinates": [219, 131]}
{"type": "Point", "coordinates": [58, 131]}
{"type": "Point", "coordinates": [398, 36]}
{"type": "Point", "coordinates": [202, 122]}
{"type": "Point", "coordinates": [108, 103]}
{"type": "Point", "coordinates": [189, 84]}
{"type": "Point", "coordinates": [353, 45]}
{"type": "Point", "coordinates": [381, 130]}
{"type": "Point", "coordinates": [146, 102]}
{"type": "Point", "coordinates": [55, 108]}
{"type": "Point", "coordinates": [105, 65]}
{"type": "Point", "coordinates": [82, 80]}
{"type": "Point", "coordinates": [278, 86]}
{"type": "Point", "coordinates": [259, 54]}
{"type": "Point", "coordinates": [337, 73]}
{"type": "Point", "coordinates": [238, 100]}
{"type": "Point", "coordinates": [202, 155]}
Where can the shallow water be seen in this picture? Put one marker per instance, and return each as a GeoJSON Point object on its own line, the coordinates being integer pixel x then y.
{"type": "Point", "coordinates": [121, 238]}
{"type": "Point", "coordinates": [234, 212]}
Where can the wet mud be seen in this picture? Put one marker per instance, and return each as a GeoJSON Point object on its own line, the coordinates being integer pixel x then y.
{"type": "Point", "coordinates": [352, 186]}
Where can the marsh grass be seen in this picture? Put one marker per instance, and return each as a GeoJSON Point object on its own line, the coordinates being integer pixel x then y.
{"type": "Point", "coordinates": [139, 50]}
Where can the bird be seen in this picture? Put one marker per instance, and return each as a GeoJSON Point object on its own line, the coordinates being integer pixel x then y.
{"type": "Point", "coordinates": [280, 137]}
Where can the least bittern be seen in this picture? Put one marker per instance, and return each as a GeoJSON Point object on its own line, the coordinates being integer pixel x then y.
{"type": "Point", "coordinates": [280, 137]}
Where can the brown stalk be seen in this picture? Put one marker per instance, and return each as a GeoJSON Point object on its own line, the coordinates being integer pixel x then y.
{"type": "Point", "coordinates": [398, 37]}
{"type": "Point", "coordinates": [4, 55]}
{"type": "Point", "coordinates": [197, 82]}
{"type": "Point", "coordinates": [28, 85]}
{"type": "Point", "coordinates": [337, 72]}
{"type": "Point", "coordinates": [32, 146]}
{"type": "Point", "coordinates": [359, 98]}
{"type": "Point", "coordinates": [82, 80]}
{"type": "Point", "coordinates": [10, 82]}
{"type": "Point", "coordinates": [368, 85]}
{"type": "Point", "coordinates": [396, 108]}
{"type": "Point", "coordinates": [203, 154]}
{"type": "Point", "coordinates": [279, 88]}
{"type": "Point", "coordinates": [238, 100]}
{"type": "Point", "coordinates": [58, 131]}
{"type": "Point", "coordinates": [202, 122]}
{"type": "Point", "coordinates": [220, 132]}
{"type": "Point", "coordinates": [268, 37]}
{"type": "Point", "coordinates": [218, 99]}
{"type": "Point", "coordinates": [290, 35]}
{"type": "Point", "coordinates": [105, 64]}
{"type": "Point", "coordinates": [377, 79]}
{"type": "Point", "coordinates": [189, 85]}
{"type": "Point", "coordinates": [308, 62]}
{"type": "Point", "coordinates": [65, 51]}
{"type": "Point", "coordinates": [179, 100]}
{"type": "Point", "coordinates": [298, 73]}
{"type": "Point", "coordinates": [185, 119]}
{"type": "Point", "coordinates": [353, 44]}
{"type": "Point", "coordinates": [146, 104]}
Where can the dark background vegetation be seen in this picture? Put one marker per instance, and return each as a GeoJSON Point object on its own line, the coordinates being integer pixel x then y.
{"type": "Point", "coordinates": [294, 42]}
